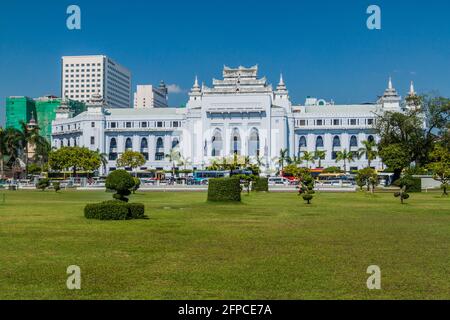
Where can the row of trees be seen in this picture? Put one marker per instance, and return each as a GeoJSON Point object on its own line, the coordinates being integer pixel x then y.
{"type": "Point", "coordinates": [417, 141]}
{"type": "Point", "coordinates": [369, 151]}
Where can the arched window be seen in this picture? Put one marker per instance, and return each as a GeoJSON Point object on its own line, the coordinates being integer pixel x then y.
{"type": "Point", "coordinates": [371, 139]}
{"type": "Point", "coordinates": [336, 142]}
{"type": "Point", "coordinates": [216, 144]}
{"type": "Point", "coordinates": [353, 142]}
{"type": "Point", "coordinates": [144, 148]}
{"type": "Point", "coordinates": [302, 143]}
{"type": "Point", "coordinates": [129, 145]}
{"type": "Point", "coordinates": [159, 153]}
{"type": "Point", "coordinates": [175, 143]}
{"type": "Point", "coordinates": [319, 142]}
{"type": "Point", "coordinates": [236, 142]}
{"type": "Point", "coordinates": [254, 144]}
{"type": "Point", "coordinates": [113, 149]}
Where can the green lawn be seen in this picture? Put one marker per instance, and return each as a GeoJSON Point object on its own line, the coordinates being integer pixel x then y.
{"type": "Point", "coordinates": [272, 246]}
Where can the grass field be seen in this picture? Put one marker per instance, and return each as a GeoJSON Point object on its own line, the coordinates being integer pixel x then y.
{"type": "Point", "coordinates": [272, 246]}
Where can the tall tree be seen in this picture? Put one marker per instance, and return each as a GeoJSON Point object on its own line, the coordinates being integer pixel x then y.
{"type": "Point", "coordinates": [132, 160]}
{"type": "Point", "coordinates": [283, 158]}
{"type": "Point", "coordinates": [74, 158]}
{"type": "Point", "coordinates": [308, 157]}
{"type": "Point", "coordinates": [440, 166]}
{"type": "Point", "coordinates": [369, 151]}
{"type": "Point", "coordinates": [320, 155]}
{"type": "Point", "coordinates": [345, 156]}
{"type": "Point", "coordinates": [29, 137]}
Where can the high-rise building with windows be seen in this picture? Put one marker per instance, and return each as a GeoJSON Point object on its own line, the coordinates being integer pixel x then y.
{"type": "Point", "coordinates": [148, 96]}
{"type": "Point", "coordinates": [84, 76]}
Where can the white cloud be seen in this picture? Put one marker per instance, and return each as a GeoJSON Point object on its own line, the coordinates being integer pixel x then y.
{"type": "Point", "coordinates": [175, 89]}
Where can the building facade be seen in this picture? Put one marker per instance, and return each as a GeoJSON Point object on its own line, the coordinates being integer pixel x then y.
{"type": "Point", "coordinates": [41, 110]}
{"type": "Point", "coordinates": [84, 76]}
{"type": "Point", "coordinates": [19, 109]}
{"type": "Point", "coordinates": [239, 114]}
{"type": "Point", "coordinates": [148, 96]}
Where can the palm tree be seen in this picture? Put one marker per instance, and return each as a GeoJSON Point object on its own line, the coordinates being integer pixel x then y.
{"type": "Point", "coordinates": [369, 151]}
{"type": "Point", "coordinates": [309, 157]}
{"type": "Point", "coordinates": [2, 151]}
{"type": "Point", "coordinates": [344, 156]}
{"type": "Point", "coordinates": [173, 156]}
{"type": "Point", "coordinates": [260, 161]}
{"type": "Point", "coordinates": [104, 159]}
{"type": "Point", "coordinates": [29, 136]}
{"type": "Point", "coordinates": [184, 162]}
{"type": "Point", "coordinates": [283, 158]}
{"type": "Point", "coordinates": [320, 155]}
{"type": "Point", "coordinates": [10, 143]}
{"type": "Point", "coordinates": [43, 149]}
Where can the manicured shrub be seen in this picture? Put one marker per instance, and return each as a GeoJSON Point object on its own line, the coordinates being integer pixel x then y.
{"type": "Point", "coordinates": [224, 189]}
{"type": "Point", "coordinates": [122, 183]}
{"type": "Point", "coordinates": [407, 182]}
{"type": "Point", "coordinates": [57, 186]}
{"type": "Point", "coordinates": [137, 184]}
{"type": "Point", "coordinates": [111, 210]}
{"type": "Point", "coordinates": [308, 197]}
{"type": "Point", "coordinates": [261, 185]}
{"type": "Point", "coordinates": [43, 184]}
{"type": "Point", "coordinates": [136, 210]}
{"type": "Point", "coordinates": [114, 210]}
{"type": "Point", "coordinates": [415, 186]}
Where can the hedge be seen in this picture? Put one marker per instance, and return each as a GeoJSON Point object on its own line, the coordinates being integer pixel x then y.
{"type": "Point", "coordinates": [416, 187]}
{"type": "Point", "coordinates": [261, 185]}
{"type": "Point", "coordinates": [224, 190]}
{"type": "Point", "coordinates": [114, 210]}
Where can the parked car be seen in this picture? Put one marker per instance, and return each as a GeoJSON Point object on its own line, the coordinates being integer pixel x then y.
{"type": "Point", "coordinates": [279, 181]}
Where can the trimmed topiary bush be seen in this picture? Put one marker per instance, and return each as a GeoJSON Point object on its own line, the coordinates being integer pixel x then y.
{"type": "Point", "coordinates": [122, 183]}
{"type": "Point", "coordinates": [224, 190]}
{"type": "Point", "coordinates": [261, 185]}
{"type": "Point", "coordinates": [57, 186]}
{"type": "Point", "coordinates": [43, 184]}
{"type": "Point", "coordinates": [308, 197]}
{"type": "Point", "coordinates": [137, 185]}
{"type": "Point", "coordinates": [415, 186]}
{"type": "Point", "coordinates": [114, 210]}
{"type": "Point", "coordinates": [136, 210]}
{"type": "Point", "coordinates": [111, 210]}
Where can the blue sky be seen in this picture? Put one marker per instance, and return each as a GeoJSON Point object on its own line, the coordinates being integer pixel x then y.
{"type": "Point", "coordinates": [323, 48]}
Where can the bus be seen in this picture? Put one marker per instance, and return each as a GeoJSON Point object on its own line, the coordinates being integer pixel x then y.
{"type": "Point", "coordinates": [202, 177]}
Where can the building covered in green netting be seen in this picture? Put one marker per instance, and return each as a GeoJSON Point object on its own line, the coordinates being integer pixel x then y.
{"type": "Point", "coordinates": [19, 109]}
{"type": "Point", "coordinates": [46, 112]}
{"type": "Point", "coordinates": [43, 109]}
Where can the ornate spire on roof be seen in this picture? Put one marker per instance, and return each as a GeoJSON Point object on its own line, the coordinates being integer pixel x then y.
{"type": "Point", "coordinates": [412, 92]}
{"type": "Point", "coordinates": [281, 88]}
{"type": "Point", "coordinates": [32, 122]}
{"type": "Point", "coordinates": [281, 80]}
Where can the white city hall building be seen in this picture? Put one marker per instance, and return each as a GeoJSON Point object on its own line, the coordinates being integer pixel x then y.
{"type": "Point", "coordinates": [239, 114]}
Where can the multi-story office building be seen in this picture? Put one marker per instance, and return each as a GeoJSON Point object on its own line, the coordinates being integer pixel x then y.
{"type": "Point", "coordinates": [239, 114]}
{"type": "Point", "coordinates": [147, 96]}
{"type": "Point", "coordinates": [84, 76]}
